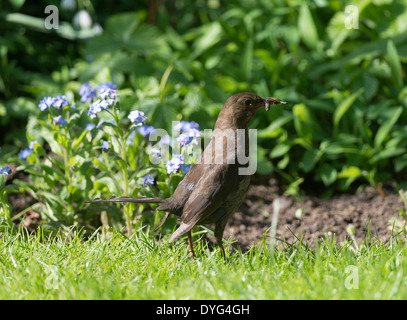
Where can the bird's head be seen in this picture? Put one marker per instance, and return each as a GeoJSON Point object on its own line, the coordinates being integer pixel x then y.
{"type": "Point", "coordinates": [242, 107]}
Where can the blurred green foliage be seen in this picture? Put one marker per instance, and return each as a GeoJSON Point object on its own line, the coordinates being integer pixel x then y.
{"type": "Point", "coordinates": [345, 121]}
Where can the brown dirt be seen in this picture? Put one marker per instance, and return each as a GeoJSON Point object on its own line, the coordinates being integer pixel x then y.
{"type": "Point", "coordinates": [320, 217]}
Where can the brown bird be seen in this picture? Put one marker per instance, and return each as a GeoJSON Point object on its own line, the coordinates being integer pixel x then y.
{"type": "Point", "coordinates": [214, 187]}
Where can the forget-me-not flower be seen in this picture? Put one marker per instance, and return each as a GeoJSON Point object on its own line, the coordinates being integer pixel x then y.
{"type": "Point", "coordinates": [24, 153]}
{"type": "Point", "coordinates": [59, 120]}
{"type": "Point", "coordinates": [148, 179]}
{"type": "Point", "coordinates": [175, 164]}
{"type": "Point", "coordinates": [137, 117]}
{"type": "Point", "coordinates": [5, 170]}
{"type": "Point", "coordinates": [106, 145]}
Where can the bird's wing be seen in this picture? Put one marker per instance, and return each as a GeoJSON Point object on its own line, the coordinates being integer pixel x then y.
{"type": "Point", "coordinates": [211, 191]}
{"type": "Point", "coordinates": [176, 202]}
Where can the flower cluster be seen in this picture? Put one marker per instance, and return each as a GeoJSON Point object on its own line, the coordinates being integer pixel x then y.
{"type": "Point", "coordinates": [175, 164]}
{"type": "Point", "coordinates": [188, 136]}
{"type": "Point", "coordinates": [58, 102]}
{"type": "Point", "coordinates": [100, 98]}
{"type": "Point", "coordinates": [189, 132]}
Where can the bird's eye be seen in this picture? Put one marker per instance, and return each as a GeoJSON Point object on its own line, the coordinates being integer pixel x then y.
{"type": "Point", "coordinates": [248, 102]}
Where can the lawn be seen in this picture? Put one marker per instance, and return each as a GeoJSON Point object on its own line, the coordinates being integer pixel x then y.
{"type": "Point", "coordinates": [113, 266]}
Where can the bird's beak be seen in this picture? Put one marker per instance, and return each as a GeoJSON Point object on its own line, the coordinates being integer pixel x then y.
{"type": "Point", "coordinates": [269, 101]}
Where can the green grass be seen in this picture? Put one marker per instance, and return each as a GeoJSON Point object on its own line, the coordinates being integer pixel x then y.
{"type": "Point", "coordinates": [38, 267]}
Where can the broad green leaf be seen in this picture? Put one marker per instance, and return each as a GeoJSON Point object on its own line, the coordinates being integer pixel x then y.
{"type": "Point", "coordinates": [343, 107]}
{"type": "Point", "coordinates": [61, 139]}
{"type": "Point", "coordinates": [309, 159]}
{"type": "Point", "coordinates": [76, 144]}
{"type": "Point", "coordinates": [386, 127]}
{"type": "Point", "coordinates": [11, 187]}
{"type": "Point", "coordinates": [247, 61]}
{"type": "Point", "coordinates": [304, 123]}
{"type": "Point", "coordinates": [307, 28]}
{"type": "Point", "coordinates": [275, 125]}
{"type": "Point", "coordinates": [110, 184]}
{"type": "Point", "coordinates": [350, 172]}
{"type": "Point", "coordinates": [211, 34]}
{"type": "Point", "coordinates": [280, 149]}
{"type": "Point", "coordinates": [395, 65]}
{"type": "Point", "coordinates": [327, 174]}
{"type": "Point", "coordinates": [387, 153]}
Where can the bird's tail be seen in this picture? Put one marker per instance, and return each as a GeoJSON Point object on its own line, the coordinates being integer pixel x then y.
{"type": "Point", "coordinates": [135, 200]}
{"type": "Point", "coordinates": [128, 199]}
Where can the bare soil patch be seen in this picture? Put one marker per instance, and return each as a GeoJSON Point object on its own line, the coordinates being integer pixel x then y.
{"type": "Point", "coordinates": [320, 217]}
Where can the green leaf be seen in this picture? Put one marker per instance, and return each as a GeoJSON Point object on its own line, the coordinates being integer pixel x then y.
{"type": "Point", "coordinates": [109, 183]}
{"type": "Point", "coordinates": [11, 187]}
{"type": "Point", "coordinates": [386, 127]}
{"type": "Point", "coordinates": [395, 65]}
{"type": "Point", "coordinates": [343, 107]}
{"type": "Point", "coordinates": [304, 122]}
{"type": "Point", "coordinates": [387, 153]}
{"type": "Point", "coordinates": [309, 159]}
{"type": "Point", "coordinates": [61, 139]}
{"type": "Point", "coordinates": [211, 34]}
{"type": "Point", "coordinates": [327, 174]}
{"type": "Point", "coordinates": [280, 149]}
{"type": "Point", "coordinates": [350, 172]}
{"type": "Point", "coordinates": [77, 142]}
{"type": "Point", "coordinates": [307, 28]}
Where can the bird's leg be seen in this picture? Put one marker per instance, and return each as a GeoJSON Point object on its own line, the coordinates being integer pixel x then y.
{"type": "Point", "coordinates": [191, 247]}
{"type": "Point", "coordinates": [219, 228]}
{"type": "Point", "coordinates": [219, 241]}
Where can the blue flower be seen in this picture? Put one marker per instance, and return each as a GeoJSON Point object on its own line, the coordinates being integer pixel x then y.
{"type": "Point", "coordinates": [184, 139]}
{"type": "Point", "coordinates": [60, 102]}
{"type": "Point", "coordinates": [87, 93]}
{"type": "Point", "coordinates": [155, 153]}
{"type": "Point", "coordinates": [45, 103]}
{"type": "Point", "coordinates": [90, 126]}
{"type": "Point", "coordinates": [185, 168]}
{"type": "Point", "coordinates": [24, 153]}
{"type": "Point", "coordinates": [108, 94]}
{"type": "Point", "coordinates": [94, 109]}
{"type": "Point", "coordinates": [189, 132]}
{"type": "Point", "coordinates": [175, 164]}
{"type": "Point", "coordinates": [101, 160]}
{"type": "Point", "coordinates": [106, 145]}
{"type": "Point", "coordinates": [145, 130]}
{"type": "Point", "coordinates": [165, 140]}
{"type": "Point", "coordinates": [32, 144]}
{"type": "Point", "coordinates": [84, 89]}
{"type": "Point", "coordinates": [107, 85]}
{"type": "Point", "coordinates": [148, 179]}
{"type": "Point", "coordinates": [186, 125]}
{"type": "Point", "coordinates": [59, 120]}
{"type": "Point", "coordinates": [5, 170]}
{"type": "Point", "coordinates": [137, 117]}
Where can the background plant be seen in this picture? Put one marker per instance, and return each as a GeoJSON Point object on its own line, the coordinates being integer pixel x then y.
{"type": "Point", "coordinates": [344, 126]}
